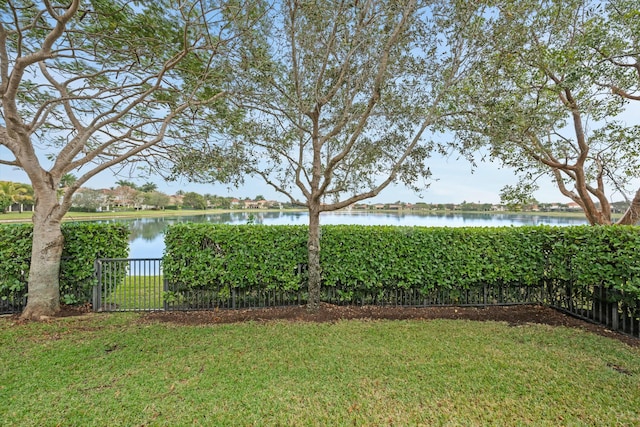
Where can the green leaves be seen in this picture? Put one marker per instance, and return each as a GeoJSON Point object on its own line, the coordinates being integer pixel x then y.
{"type": "Point", "coordinates": [207, 255]}
{"type": "Point", "coordinates": [83, 244]}
{"type": "Point", "coordinates": [546, 93]}
{"type": "Point", "coordinates": [356, 258]}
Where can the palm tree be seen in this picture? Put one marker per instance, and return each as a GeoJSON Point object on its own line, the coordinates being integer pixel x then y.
{"type": "Point", "coordinates": [125, 183]}
{"type": "Point", "coordinates": [66, 181]}
{"type": "Point", "coordinates": [12, 192]}
{"type": "Point", "coordinates": [148, 187]}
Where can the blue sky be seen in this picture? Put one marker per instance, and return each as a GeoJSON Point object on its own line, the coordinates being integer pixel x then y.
{"type": "Point", "coordinates": [453, 182]}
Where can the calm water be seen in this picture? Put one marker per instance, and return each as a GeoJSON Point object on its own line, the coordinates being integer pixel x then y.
{"type": "Point", "coordinates": [147, 233]}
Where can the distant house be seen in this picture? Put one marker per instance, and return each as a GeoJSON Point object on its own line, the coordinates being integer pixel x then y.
{"type": "Point", "coordinates": [259, 204]}
{"type": "Point", "coordinates": [20, 207]}
{"type": "Point", "coordinates": [175, 200]}
{"type": "Point", "coordinates": [235, 203]}
{"type": "Point", "coordinates": [251, 204]}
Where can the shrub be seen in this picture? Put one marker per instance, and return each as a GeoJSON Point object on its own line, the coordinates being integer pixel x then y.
{"type": "Point", "coordinates": [214, 255]}
{"type": "Point", "coordinates": [83, 244]}
{"type": "Point", "coordinates": [364, 258]}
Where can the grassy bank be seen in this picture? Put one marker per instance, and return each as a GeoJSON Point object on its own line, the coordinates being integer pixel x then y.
{"type": "Point", "coordinates": [114, 370]}
{"type": "Point", "coordinates": [84, 216]}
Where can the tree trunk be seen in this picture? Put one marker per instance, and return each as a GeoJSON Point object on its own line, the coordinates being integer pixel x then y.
{"type": "Point", "coordinates": [315, 270]}
{"type": "Point", "coordinates": [632, 215]}
{"type": "Point", "coordinates": [43, 286]}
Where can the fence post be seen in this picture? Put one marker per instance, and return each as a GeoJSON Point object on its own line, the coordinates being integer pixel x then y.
{"type": "Point", "coordinates": [97, 288]}
{"type": "Point", "coordinates": [165, 288]}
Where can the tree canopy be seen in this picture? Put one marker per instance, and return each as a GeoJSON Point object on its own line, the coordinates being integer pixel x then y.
{"type": "Point", "coordinates": [87, 86]}
{"type": "Point", "coordinates": [548, 96]}
{"type": "Point", "coordinates": [339, 102]}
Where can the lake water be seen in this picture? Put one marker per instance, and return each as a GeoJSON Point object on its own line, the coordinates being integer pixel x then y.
{"type": "Point", "coordinates": [147, 233]}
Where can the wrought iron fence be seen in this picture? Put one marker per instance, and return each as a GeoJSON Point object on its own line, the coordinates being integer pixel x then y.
{"type": "Point", "coordinates": [597, 304]}
{"type": "Point", "coordinates": [139, 285]}
{"type": "Point", "coordinates": [129, 285]}
{"type": "Point", "coordinates": [182, 299]}
{"type": "Point", "coordinates": [12, 304]}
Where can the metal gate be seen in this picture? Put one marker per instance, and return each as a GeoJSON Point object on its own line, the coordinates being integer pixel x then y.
{"type": "Point", "coordinates": [125, 284]}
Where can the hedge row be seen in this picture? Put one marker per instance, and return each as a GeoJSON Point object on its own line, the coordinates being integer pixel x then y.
{"type": "Point", "coordinates": [369, 257]}
{"type": "Point", "coordinates": [208, 255]}
{"type": "Point", "coordinates": [83, 244]}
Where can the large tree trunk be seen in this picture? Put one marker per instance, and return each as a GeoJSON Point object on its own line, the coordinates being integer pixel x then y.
{"type": "Point", "coordinates": [632, 215]}
{"type": "Point", "coordinates": [315, 270]}
{"type": "Point", "coordinates": [43, 286]}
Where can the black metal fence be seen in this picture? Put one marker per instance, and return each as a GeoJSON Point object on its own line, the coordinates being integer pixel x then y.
{"type": "Point", "coordinates": [13, 304]}
{"type": "Point", "coordinates": [139, 285]}
{"type": "Point", "coordinates": [129, 285]}
{"type": "Point", "coordinates": [597, 304]}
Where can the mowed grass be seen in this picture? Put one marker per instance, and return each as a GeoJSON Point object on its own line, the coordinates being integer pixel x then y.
{"type": "Point", "coordinates": [111, 369]}
{"type": "Point", "coordinates": [136, 292]}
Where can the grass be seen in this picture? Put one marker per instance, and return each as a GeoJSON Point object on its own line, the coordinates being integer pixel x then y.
{"type": "Point", "coordinates": [84, 216]}
{"type": "Point", "coordinates": [113, 370]}
{"type": "Point", "coordinates": [75, 216]}
{"type": "Point", "coordinates": [137, 292]}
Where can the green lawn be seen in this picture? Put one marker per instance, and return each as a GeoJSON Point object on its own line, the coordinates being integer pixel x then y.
{"type": "Point", "coordinates": [110, 369]}
{"type": "Point", "coordinates": [137, 292]}
{"type": "Point", "coordinates": [82, 216]}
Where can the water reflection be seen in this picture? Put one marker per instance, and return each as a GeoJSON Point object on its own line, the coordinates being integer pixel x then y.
{"type": "Point", "coordinates": [147, 233]}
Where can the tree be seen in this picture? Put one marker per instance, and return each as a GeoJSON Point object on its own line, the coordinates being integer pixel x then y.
{"type": "Point", "coordinates": [148, 187]}
{"type": "Point", "coordinates": [87, 86]}
{"type": "Point", "coordinates": [125, 196]}
{"type": "Point", "coordinates": [547, 96]}
{"type": "Point", "coordinates": [125, 183]}
{"type": "Point", "coordinates": [194, 201]}
{"type": "Point", "coordinates": [67, 180]}
{"type": "Point", "coordinates": [89, 199]}
{"type": "Point", "coordinates": [5, 202]}
{"type": "Point", "coordinates": [12, 192]}
{"type": "Point", "coordinates": [156, 199]}
{"type": "Point", "coordinates": [338, 106]}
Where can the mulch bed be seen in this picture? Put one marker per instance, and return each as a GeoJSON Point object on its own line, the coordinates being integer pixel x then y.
{"type": "Point", "coordinates": [513, 315]}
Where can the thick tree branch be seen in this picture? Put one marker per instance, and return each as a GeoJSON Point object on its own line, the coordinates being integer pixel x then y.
{"type": "Point", "coordinates": [632, 214]}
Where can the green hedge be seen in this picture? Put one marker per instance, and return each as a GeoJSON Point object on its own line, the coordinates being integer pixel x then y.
{"type": "Point", "coordinates": [83, 244]}
{"type": "Point", "coordinates": [369, 257]}
{"type": "Point", "coordinates": [213, 255]}
{"type": "Point", "coordinates": [429, 258]}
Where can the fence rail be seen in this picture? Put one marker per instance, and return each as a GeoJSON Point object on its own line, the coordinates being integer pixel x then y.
{"type": "Point", "coordinates": [138, 285]}
{"type": "Point", "coordinates": [13, 304]}
{"type": "Point", "coordinates": [125, 284]}
{"type": "Point", "coordinates": [598, 304]}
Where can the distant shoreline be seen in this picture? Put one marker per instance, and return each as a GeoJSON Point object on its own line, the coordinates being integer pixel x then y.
{"type": "Point", "coordinates": [96, 216]}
